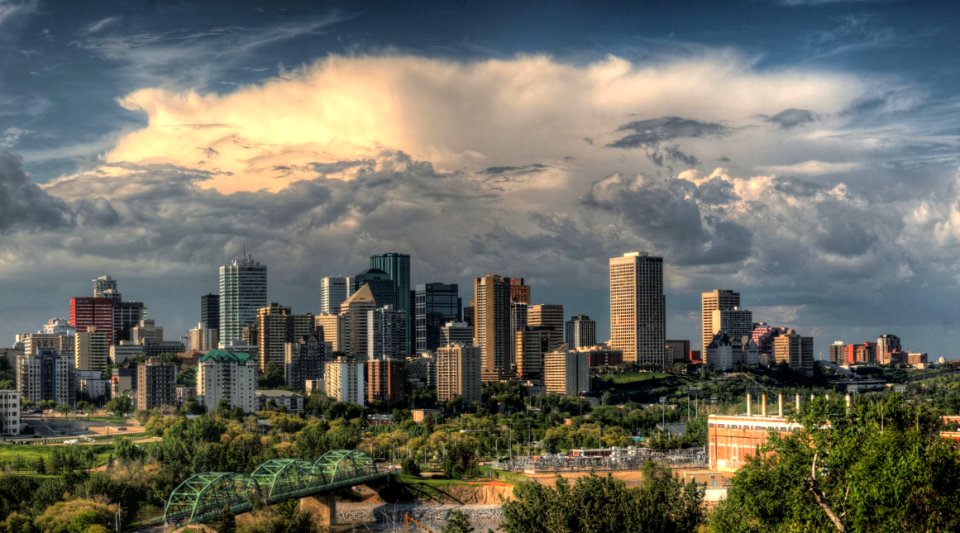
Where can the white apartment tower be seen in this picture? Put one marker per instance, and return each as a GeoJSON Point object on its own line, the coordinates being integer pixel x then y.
{"type": "Point", "coordinates": [231, 377]}
{"type": "Point", "coordinates": [343, 380]}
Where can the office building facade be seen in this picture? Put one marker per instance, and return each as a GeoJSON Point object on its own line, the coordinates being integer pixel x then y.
{"type": "Point", "coordinates": [458, 373]}
{"type": "Point", "coordinates": [344, 380]}
{"type": "Point", "coordinates": [386, 333]}
{"type": "Point", "coordinates": [91, 350]}
{"type": "Point", "coordinates": [715, 300]}
{"type": "Point", "coordinates": [385, 380]}
{"type": "Point", "coordinates": [397, 267]}
{"type": "Point", "coordinates": [638, 308]}
{"type": "Point", "coordinates": [243, 291]}
{"type": "Point", "coordinates": [156, 384]}
{"type": "Point", "coordinates": [355, 312]}
{"type": "Point", "coordinates": [491, 330]}
{"type": "Point", "coordinates": [435, 304]}
{"type": "Point", "coordinates": [210, 311]}
{"type": "Point", "coordinates": [46, 375]}
{"type": "Point", "coordinates": [88, 312]}
{"type": "Point", "coordinates": [566, 372]}
{"type": "Point", "coordinates": [549, 316]}
{"type": "Point", "coordinates": [333, 291]}
{"type": "Point", "coordinates": [580, 332]}
{"type": "Point", "coordinates": [303, 361]}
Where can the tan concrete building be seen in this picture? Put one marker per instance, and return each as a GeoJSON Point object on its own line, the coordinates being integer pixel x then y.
{"type": "Point", "coordinates": [715, 300]}
{"type": "Point", "coordinates": [156, 384]}
{"type": "Point", "coordinates": [332, 326]}
{"type": "Point", "coordinates": [637, 308]}
{"type": "Point", "coordinates": [276, 326]}
{"type": "Point", "coordinates": [343, 380]}
{"type": "Point", "coordinates": [385, 379]}
{"type": "Point", "coordinates": [354, 314]}
{"type": "Point", "coordinates": [795, 350]}
{"type": "Point", "coordinates": [731, 440]}
{"type": "Point", "coordinates": [491, 329]}
{"type": "Point", "coordinates": [548, 316]}
{"type": "Point", "coordinates": [91, 349]}
{"type": "Point", "coordinates": [458, 373]}
{"type": "Point", "coordinates": [566, 372]}
{"type": "Point", "coordinates": [532, 344]}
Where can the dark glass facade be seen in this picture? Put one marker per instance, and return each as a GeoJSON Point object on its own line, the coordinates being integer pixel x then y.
{"type": "Point", "coordinates": [436, 304]}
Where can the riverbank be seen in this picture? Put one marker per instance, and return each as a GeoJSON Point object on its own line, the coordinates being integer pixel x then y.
{"type": "Point", "coordinates": [390, 517]}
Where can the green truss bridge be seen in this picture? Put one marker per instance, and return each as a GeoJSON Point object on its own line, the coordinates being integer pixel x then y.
{"type": "Point", "coordinates": [203, 497]}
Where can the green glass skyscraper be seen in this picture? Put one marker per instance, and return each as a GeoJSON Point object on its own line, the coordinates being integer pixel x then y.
{"type": "Point", "coordinates": [397, 266]}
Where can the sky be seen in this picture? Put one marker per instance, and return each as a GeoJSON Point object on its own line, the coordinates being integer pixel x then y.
{"type": "Point", "coordinates": [802, 152]}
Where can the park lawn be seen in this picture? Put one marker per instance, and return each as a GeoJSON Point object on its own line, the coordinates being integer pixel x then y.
{"type": "Point", "coordinates": [635, 377]}
{"type": "Point", "coordinates": [31, 452]}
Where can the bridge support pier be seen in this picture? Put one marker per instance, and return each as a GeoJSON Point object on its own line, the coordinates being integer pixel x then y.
{"type": "Point", "coordinates": [322, 507]}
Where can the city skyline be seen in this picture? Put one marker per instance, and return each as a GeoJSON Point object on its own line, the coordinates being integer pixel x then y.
{"type": "Point", "coordinates": [801, 152]}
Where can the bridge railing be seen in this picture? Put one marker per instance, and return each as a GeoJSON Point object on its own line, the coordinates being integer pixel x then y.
{"type": "Point", "coordinates": [204, 496]}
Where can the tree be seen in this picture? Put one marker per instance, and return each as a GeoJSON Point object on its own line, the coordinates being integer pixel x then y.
{"type": "Point", "coordinates": [75, 516]}
{"type": "Point", "coordinates": [63, 409]}
{"type": "Point", "coordinates": [120, 405]}
{"type": "Point", "coordinates": [597, 504]}
{"type": "Point", "coordinates": [410, 467]}
{"type": "Point", "coordinates": [879, 466]}
{"type": "Point", "coordinates": [457, 522]}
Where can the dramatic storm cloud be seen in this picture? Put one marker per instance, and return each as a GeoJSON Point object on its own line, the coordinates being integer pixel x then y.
{"type": "Point", "coordinates": [156, 143]}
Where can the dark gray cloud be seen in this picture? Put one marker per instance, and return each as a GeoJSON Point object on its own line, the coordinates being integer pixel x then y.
{"type": "Point", "coordinates": [23, 205]}
{"type": "Point", "coordinates": [667, 214]}
{"type": "Point", "coordinates": [651, 134]}
{"type": "Point", "coordinates": [653, 131]}
{"type": "Point", "coordinates": [791, 118]}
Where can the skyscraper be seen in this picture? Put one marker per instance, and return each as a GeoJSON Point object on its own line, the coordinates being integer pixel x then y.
{"type": "Point", "coordinates": [836, 352]}
{"type": "Point", "coordinates": [717, 299]}
{"type": "Point", "coordinates": [156, 384]}
{"type": "Point", "coordinates": [354, 312]}
{"type": "Point", "coordinates": [91, 349]}
{"type": "Point", "coordinates": [303, 361]}
{"type": "Point", "coordinates": [243, 290]}
{"type": "Point", "coordinates": [383, 289]}
{"type": "Point", "coordinates": [397, 266]}
{"type": "Point", "coordinates": [210, 311]}
{"type": "Point", "coordinates": [637, 308]}
{"type": "Point", "coordinates": [491, 329]}
{"type": "Point", "coordinates": [343, 380]}
{"type": "Point", "coordinates": [580, 331]}
{"type": "Point", "coordinates": [333, 291]}
{"type": "Point", "coordinates": [532, 343]}
{"type": "Point", "coordinates": [97, 312]}
{"type": "Point", "coordinates": [125, 314]}
{"type": "Point", "coordinates": [458, 373]}
{"type": "Point", "coordinates": [548, 316]}
{"type": "Point", "coordinates": [566, 372]}
{"type": "Point", "coordinates": [276, 326]}
{"type": "Point", "coordinates": [435, 305]}
{"type": "Point", "coordinates": [886, 345]}
{"type": "Point", "coordinates": [386, 334]}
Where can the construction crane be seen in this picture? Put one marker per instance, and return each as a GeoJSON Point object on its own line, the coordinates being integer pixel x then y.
{"type": "Point", "coordinates": [406, 524]}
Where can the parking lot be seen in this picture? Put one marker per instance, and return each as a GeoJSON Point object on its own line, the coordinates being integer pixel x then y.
{"type": "Point", "coordinates": [52, 426]}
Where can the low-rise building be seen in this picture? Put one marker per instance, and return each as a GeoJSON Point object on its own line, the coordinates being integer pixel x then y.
{"type": "Point", "coordinates": [9, 412]}
{"type": "Point", "coordinates": [279, 399]}
{"type": "Point", "coordinates": [119, 353]}
{"type": "Point", "coordinates": [566, 372]}
{"type": "Point", "coordinates": [92, 386]}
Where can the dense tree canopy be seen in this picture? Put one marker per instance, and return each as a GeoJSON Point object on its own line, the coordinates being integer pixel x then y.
{"type": "Point", "coordinates": [599, 504]}
{"type": "Point", "coordinates": [880, 466]}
